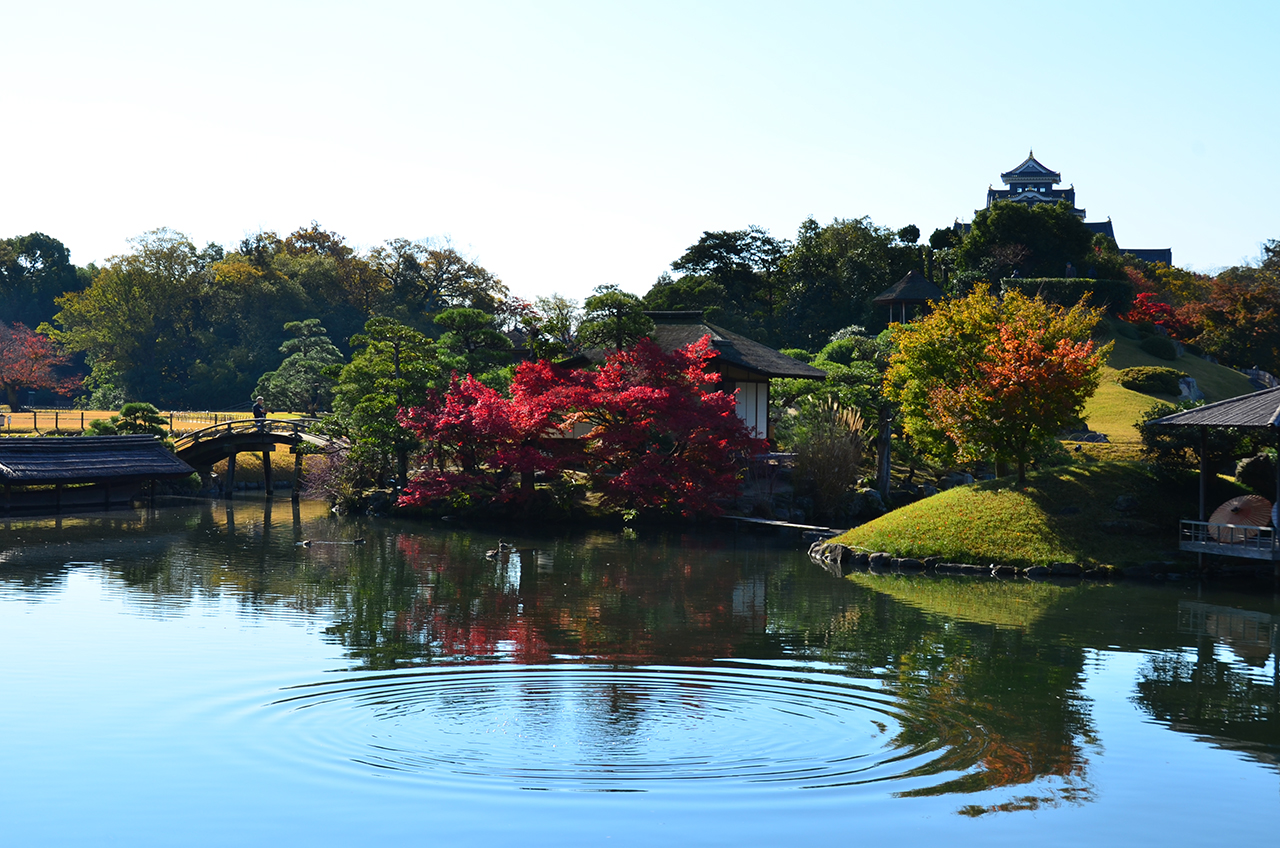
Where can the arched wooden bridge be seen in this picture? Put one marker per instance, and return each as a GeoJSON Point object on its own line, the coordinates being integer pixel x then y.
{"type": "Point", "coordinates": [202, 449]}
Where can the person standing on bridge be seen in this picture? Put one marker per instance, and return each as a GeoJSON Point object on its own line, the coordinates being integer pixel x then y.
{"type": "Point", "coordinates": [259, 412]}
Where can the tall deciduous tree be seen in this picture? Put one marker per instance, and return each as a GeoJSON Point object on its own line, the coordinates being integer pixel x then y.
{"type": "Point", "coordinates": [1240, 317]}
{"type": "Point", "coordinates": [142, 321]}
{"type": "Point", "coordinates": [987, 377]}
{"type": "Point", "coordinates": [35, 270]}
{"type": "Point", "coordinates": [30, 360]}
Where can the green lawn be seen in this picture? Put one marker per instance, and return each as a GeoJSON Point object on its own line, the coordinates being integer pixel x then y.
{"type": "Point", "coordinates": [1113, 409]}
{"type": "Point", "coordinates": [1061, 515]}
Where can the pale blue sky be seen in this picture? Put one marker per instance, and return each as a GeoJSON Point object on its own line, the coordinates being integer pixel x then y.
{"type": "Point", "coordinates": [568, 144]}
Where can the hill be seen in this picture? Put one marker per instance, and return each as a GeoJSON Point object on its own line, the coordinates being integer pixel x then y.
{"type": "Point", "coordinates": [1113, 409]}
{"type": "Point", "coordinates": [1094, 514]}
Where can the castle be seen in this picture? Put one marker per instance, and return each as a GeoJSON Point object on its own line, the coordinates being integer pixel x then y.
{"type": "Point", "coordinates": [1032, 183]}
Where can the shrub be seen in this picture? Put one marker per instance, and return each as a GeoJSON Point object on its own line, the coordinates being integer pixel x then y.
{"type": "Point", "coordinates": [829, 457]}
{"type": "Point", "coordinates": [1127, 330]}
{"type": "Point", "coordinates": [1160, 347]}
{"type": "Point", "coordinates": [1258, 473]}
{"type": "Point", "coordinates": [1152, 379]}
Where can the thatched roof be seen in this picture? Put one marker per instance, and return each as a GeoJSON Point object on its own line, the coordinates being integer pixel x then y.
{"type": "Point", "coordinates": [676, 329]}
{"type": "Point", "coordinates": [913, 288]}
{"type": "Point", "coordinates": [86, 459]}
{"type": "Point", "coordinates": [1260, 409]}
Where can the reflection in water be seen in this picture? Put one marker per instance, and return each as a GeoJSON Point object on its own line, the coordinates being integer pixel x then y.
{"type": "Point", "coordinates": [1231, 704]}
{"type": "Point", "coordinates": [588, 661]}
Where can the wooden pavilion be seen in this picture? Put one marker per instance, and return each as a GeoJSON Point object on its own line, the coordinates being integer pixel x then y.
{"type": "Point", "coordinates": [51, 474]}
{"type": "Point", "coordinates": [1257, 411]}
{"type": "Point", "coordinates": [912, 290]}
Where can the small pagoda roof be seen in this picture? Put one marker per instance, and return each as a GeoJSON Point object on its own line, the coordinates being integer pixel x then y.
{"type": "Point", "coordinates": [1031, 169]}
{"type": "Point", "coordinates": [86, 459]}
{"type": "Point", "coordinates": [913, 288]}
{"type": "Point", "coordinates": [1257, 410]}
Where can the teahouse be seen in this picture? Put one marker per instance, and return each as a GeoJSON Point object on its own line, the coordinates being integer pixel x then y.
{"type": "Point", "coordinates": [1257, 411]}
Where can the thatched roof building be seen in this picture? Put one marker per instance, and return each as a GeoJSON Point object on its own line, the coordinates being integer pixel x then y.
{"type": "Point", "coordinates": [106, 469]}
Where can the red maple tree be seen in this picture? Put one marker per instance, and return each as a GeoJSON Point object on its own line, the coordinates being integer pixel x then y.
{"type": "Point", "coordinates": [29, 360]}
{"type": "Point", "coordinates": [659, 440]}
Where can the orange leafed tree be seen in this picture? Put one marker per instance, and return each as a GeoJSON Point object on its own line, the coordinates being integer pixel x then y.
{"type": "Point", "coordinates": [987, 377]}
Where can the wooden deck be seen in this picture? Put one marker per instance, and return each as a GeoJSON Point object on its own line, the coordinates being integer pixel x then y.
{"type": "Point", "coordinates": [1233, 540]}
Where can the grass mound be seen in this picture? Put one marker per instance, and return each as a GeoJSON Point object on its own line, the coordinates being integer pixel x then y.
{"type": "Point", "coordinates": [1065, 514]}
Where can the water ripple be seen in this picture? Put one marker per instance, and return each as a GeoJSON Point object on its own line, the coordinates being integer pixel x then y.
{"type": "Point", "coordinates": [603, 728]}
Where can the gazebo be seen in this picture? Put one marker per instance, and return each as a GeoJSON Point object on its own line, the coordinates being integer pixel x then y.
{"type": "Point", "coordinates": [1258, 411]}
{"type": "Point", "coordinates": [912, 290]}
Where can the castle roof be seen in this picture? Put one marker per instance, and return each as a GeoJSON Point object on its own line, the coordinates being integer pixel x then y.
{"type": "Point", "coordinates": [1031, 170]}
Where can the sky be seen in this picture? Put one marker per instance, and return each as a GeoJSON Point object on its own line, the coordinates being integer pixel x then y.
{"type": "Point", "coordinates": [566, 145]}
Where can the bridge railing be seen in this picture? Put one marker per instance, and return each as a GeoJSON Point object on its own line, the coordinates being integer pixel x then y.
{"type": "Point", "coordinates": [280, 426]}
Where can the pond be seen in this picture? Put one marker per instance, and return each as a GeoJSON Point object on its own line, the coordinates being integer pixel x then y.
{"type": "Point", "coordinates": [250, 672]}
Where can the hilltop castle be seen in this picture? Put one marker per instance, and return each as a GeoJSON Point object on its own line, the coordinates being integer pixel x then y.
{"type": "Point", "coordinates": [1032, 183]}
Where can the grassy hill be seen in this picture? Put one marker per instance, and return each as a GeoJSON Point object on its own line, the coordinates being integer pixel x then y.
{"type": "Point", "coordinates": [1064, 514]}
{"type": "Point", "coordinates": [1113, 409]}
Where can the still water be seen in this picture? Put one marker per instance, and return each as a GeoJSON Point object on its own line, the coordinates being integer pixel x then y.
{"type": "Point", "coordinates": [197, 675]}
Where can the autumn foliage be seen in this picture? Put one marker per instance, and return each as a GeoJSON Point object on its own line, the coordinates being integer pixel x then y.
{"type": "Point", "coordinates": [986, 377]}
{"type": "Point", "coordinates": [29, 360]}
{"type": "Point", "coordinates": [659, 441]}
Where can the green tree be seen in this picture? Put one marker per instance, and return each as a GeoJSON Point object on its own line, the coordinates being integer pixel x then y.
{"type": "Point", "coordinates": [833, 275]}
{"type": "Point", "coordinates": [302, 381]}
{"type": "Point", "coordinates": [733, 276]}
{"type": "Point", "coordinates": [133, 419]}
{"type": "Point", "coordinates": [394, 367]}
{"type": "Point", "coordinates": [471, 344]}
{"type": "Point", "coordinates": [982, 376]}
{"type": "Point", "coordinates": [35, 270]}
{"type": "Point", "coordinates": [558, 321]}
{"type": "Point", "coordinates": [142, 320]}
{"type": "Point", "coordinates": [1013, 239]}
{"type": "Point", "coordinates": [614, 319]}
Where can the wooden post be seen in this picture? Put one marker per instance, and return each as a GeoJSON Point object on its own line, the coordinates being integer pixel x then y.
{"type": "Point", "coordinates": [1204, 486]}
{"type": "Point", "coordinates": [8, 494]}
{"type": "Point", "coordinates": [106, 496]}
{"type": "Point", "coordinates": [297, 474]}
{"type": "Point", "coordinates": [1204, 469]}
{"type": "Point", "coordinates": [231, 475]}
{"type": "Point", "coordinates": [57, 497]}
{"type": "Point", "coordinates": [266, 472]}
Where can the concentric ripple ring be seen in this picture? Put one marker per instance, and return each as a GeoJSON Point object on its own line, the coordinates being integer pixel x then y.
{"type": "Point", "coordinates": [599, 727]}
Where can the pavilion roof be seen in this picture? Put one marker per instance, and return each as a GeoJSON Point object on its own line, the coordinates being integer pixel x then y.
{"type": "Point", "coordinates": [86, 459]}
{"type": "Point", "coordinates": [913, 288]}
{"type": "Point", "coordinates": [674, 329]}
{"type": "Point", "coordinates": [1260, 409]}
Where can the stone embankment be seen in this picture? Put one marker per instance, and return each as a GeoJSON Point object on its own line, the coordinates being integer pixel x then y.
{"type": "Point", "coordinates": [841, 560]}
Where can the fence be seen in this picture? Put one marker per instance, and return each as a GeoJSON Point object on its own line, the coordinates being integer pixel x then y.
{"type": "Point", "coordinates": [41, 422]}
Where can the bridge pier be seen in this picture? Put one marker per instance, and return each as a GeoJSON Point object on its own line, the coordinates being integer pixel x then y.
{"type": "Point", "coordinates": [297, 475]}
{"type": "Point", "coordinates": [266, 471]}
{"type": "Point", "coordinates": [229, 487]}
